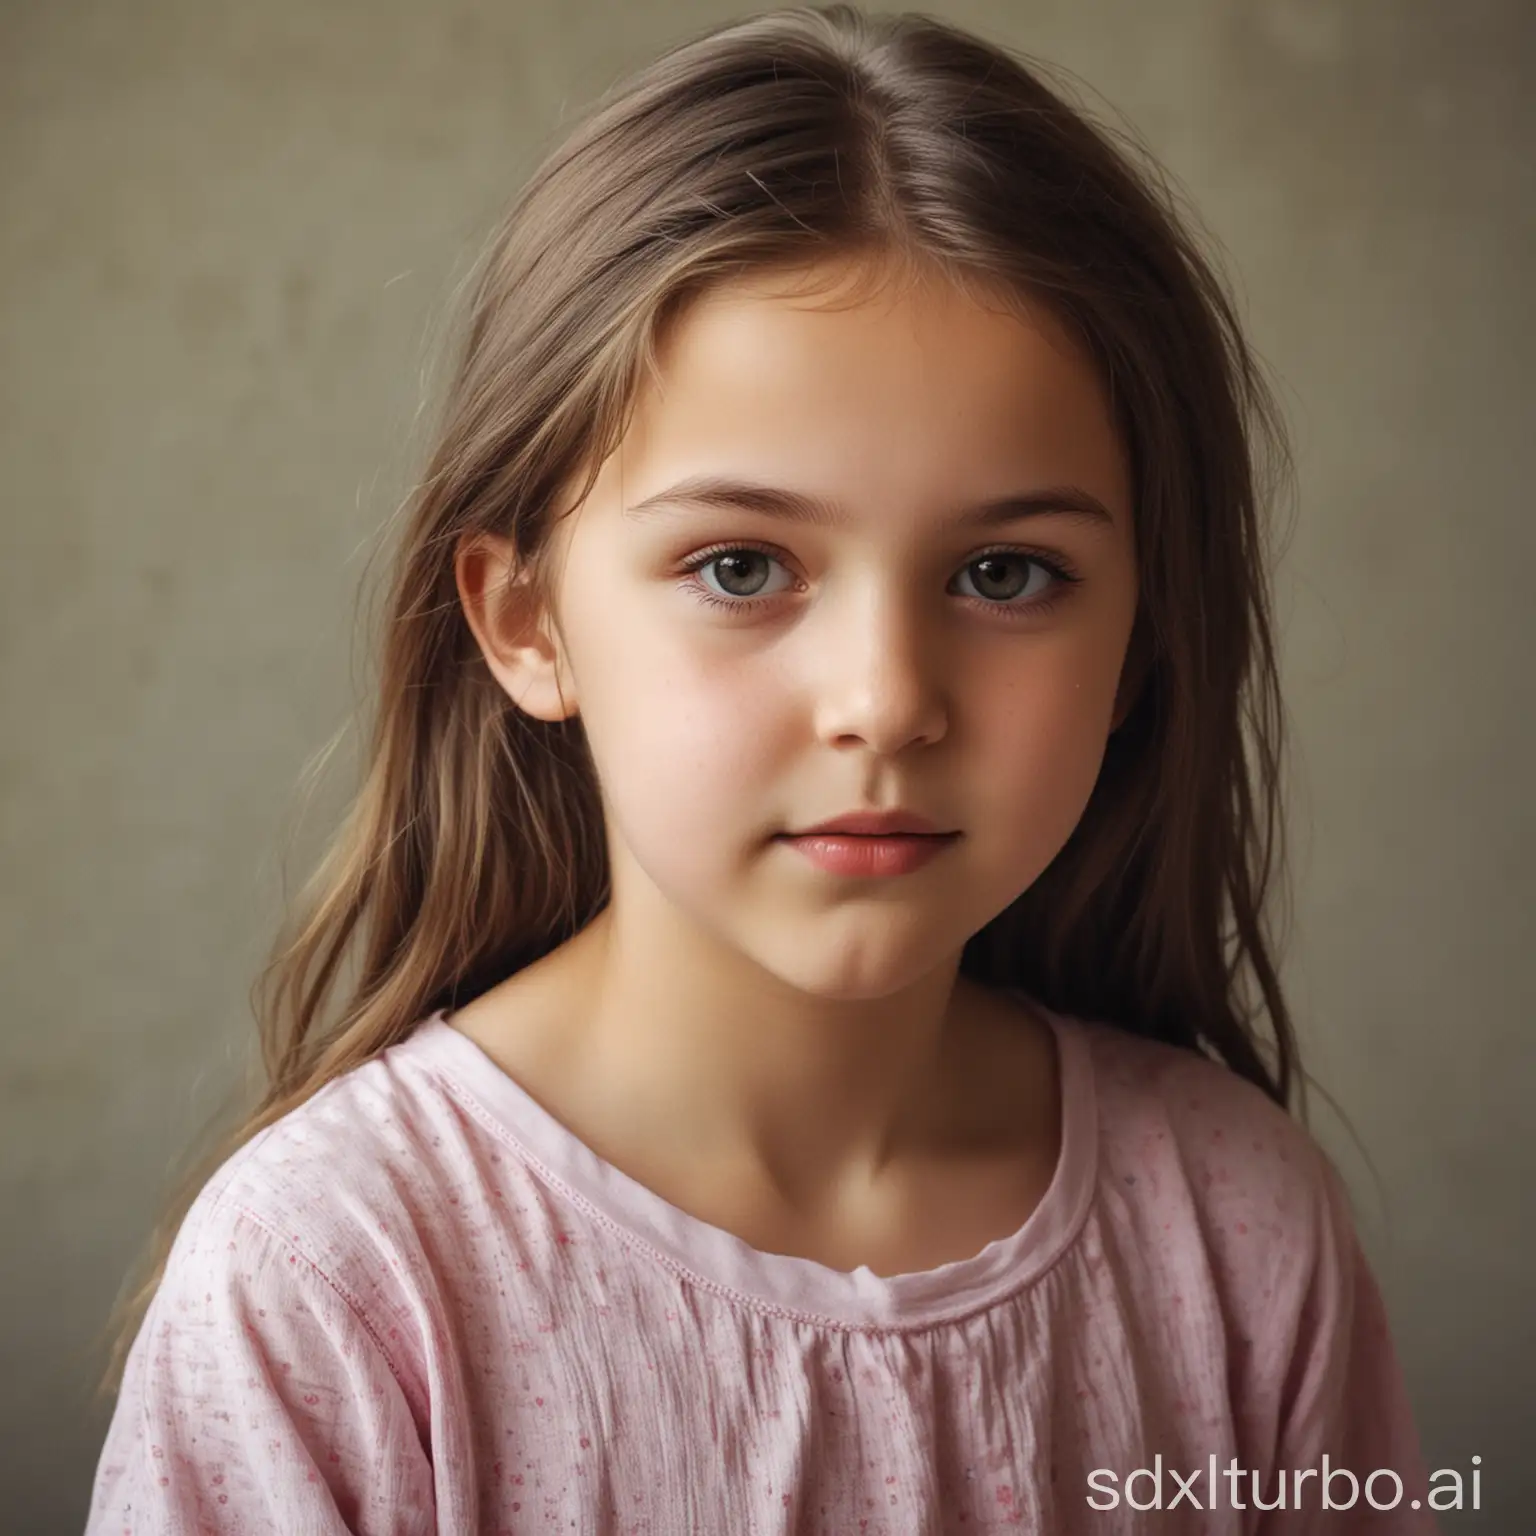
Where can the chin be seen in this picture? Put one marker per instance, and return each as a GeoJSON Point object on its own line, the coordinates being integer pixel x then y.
{"type": "Point", "coordinates": [850, 972]}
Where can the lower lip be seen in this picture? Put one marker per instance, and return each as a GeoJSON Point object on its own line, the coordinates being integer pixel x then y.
{"type": "Point", "coordinates": [863, 857]}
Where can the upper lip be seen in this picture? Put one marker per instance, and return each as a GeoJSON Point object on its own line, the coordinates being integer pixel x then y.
{"type": "Point", "coordinates": [875, 824]}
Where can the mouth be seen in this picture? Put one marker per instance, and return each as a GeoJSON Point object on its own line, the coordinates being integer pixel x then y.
{"type": "Point", "coordinates": [836, 834]}
{"type": "Point", "coordinates": [890, 823]}
{"type": "Point", "coordinates": [865, 855]}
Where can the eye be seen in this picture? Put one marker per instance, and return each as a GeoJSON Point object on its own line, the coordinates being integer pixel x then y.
{"type": "Point", "coordinates": [741, 571]}
{"type": "Point", "coordinates": [1002, 582]}
{"type": "Point", "coordinates": [1002, 576]}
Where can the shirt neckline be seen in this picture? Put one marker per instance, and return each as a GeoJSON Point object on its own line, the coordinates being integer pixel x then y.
{"type": "Point", "coordinates": [784, 1283]}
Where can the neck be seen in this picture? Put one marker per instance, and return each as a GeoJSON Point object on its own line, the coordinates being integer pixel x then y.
{"type": "Point", "coordinates": [682, 1041]}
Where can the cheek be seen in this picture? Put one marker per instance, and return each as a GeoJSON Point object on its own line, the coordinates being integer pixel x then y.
{"type": "Point", "coordinates": [680, 734]}
{"type": "Point", "coordinates": [1045, 733]}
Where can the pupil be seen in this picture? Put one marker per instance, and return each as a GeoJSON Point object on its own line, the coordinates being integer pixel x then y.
{"type": "Point", "coordinates": [729, 568]}
{"type": "Point", "coordinates": [988, 570]}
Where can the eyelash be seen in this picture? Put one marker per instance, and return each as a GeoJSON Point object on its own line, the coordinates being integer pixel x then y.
{"type": "Point", "coordinates": [1066, 579]}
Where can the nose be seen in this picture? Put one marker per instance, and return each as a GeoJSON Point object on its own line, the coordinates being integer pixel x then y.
{"type": "Point", "coordinates": [878, 677]}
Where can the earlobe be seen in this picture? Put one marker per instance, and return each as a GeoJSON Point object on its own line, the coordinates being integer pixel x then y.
{"type": "Point", "coordinates": [517, 639]}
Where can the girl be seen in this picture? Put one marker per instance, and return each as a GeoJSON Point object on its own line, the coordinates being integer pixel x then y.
{"type": "Point", "coordinates": [798, 1074]}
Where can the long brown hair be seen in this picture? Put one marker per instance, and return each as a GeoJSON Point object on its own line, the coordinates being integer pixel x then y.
{"type": "Point", "coordinates": [475, 843]}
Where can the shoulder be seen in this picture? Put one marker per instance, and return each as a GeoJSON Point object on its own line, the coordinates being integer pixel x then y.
{"type": "Point", "coordinates": [363, 1134]}
{"type": "Point", "coordinates": [1223, 1127]}
{"type": "Point", "coordinates": [344, 1182]}
{"type": "Point", "coordinates": [1189, 1148]}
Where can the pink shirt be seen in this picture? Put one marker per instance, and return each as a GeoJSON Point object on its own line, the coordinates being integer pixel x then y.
{"type": "Point", "coordinates": [418, 1303]}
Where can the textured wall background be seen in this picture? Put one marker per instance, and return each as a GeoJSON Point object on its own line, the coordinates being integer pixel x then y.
{"type": "Point", "coordinates": [229, 232]}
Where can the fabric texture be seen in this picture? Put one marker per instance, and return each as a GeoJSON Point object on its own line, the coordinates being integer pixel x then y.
{"type": "Point", "coordinates": [419, 1303]}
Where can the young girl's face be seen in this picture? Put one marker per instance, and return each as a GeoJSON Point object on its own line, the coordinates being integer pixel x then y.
{"type": "Point", "coordinates": [891, 650]}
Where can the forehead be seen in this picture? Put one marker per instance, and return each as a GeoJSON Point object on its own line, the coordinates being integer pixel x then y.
{"type": "Point", "coordinates": [833, 378]}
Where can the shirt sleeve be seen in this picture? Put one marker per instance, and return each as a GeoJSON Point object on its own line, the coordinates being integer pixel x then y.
{"type": "Point", "coordinates": [1345, 1398]}
{"type": "Point", "coordinates": [256, 1399]}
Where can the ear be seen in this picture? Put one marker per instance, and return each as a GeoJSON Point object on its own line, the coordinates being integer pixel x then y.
{"type": "Point", "coordinates": [519, 641]}
{"type": "Point", "coordinates": [1133, 671]}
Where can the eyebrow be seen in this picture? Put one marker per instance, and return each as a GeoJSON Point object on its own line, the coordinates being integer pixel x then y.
{"type": "Point", "coordinates": [717, 493]}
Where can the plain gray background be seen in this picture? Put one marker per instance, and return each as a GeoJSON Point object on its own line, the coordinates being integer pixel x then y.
{"type": "Point", "coordinates": [230, 234]}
